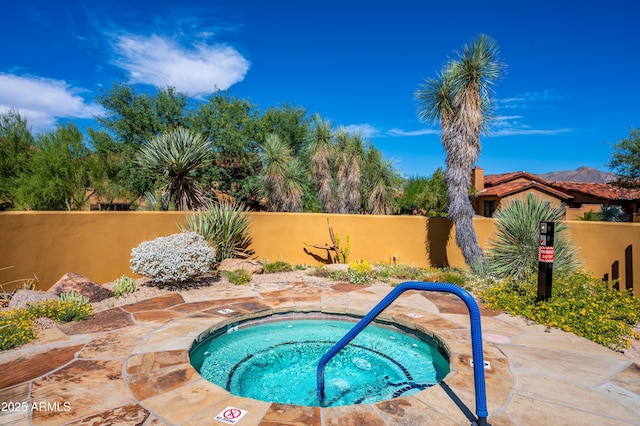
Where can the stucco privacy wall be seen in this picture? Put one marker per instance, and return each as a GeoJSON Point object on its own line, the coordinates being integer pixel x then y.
{"type": "Point", "coordinates": [98, 244]}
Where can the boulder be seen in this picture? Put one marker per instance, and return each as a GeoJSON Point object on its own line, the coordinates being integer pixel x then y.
{"type": "Point", "coordinates": [72, 282]}
{"type": "Point", "coordinates": [252, 266]}
{"type": "Point", "coordinates": [22, 298]}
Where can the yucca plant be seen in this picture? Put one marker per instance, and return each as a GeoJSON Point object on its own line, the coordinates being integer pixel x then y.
{"type": "Point", "coordinates": [225, 226]}
{"type": "Point", "coordinates": [175, 156]}
{"type": "Point", "coordinates": [282, 175]}
{"type": "Point", "coordinates": [513, 251]}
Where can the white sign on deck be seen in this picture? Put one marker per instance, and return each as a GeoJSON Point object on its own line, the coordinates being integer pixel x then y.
{"type": "Point", "coordinates": [231, 415]}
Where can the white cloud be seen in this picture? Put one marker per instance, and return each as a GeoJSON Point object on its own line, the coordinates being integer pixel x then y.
{"type": "Point", "coordinates": [198, 70]}
{"type": "Point", "coordinates": [510, 125]}
{"type": "Point", "coordinates": [366, 130]}
{"type": "Point", "coordinates": [42, 101]}
{"type": "Point", "coordinates": [422, 132]}
{"type": "Point", "coordinates": [527, 131]}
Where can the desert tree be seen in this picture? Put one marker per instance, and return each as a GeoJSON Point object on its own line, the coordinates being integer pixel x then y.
{"type": "Point", "coordinates": [459, 99]}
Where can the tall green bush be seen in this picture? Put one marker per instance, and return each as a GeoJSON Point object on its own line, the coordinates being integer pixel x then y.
{"type": "Point", "coordinates": [513, 251]}
{"type": "Point", "coordinates": [225, 226]}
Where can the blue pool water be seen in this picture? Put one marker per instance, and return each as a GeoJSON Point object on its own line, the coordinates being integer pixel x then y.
{"type": "Point", "coordinates": [277, 362]}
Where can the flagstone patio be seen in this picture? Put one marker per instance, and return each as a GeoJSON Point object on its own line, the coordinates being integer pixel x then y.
{"type": "Point", "coordinates": [129, 366]}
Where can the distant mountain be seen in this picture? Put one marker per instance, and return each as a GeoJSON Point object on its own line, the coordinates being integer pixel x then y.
{"type": "Point", "coordinates": [581, 174]}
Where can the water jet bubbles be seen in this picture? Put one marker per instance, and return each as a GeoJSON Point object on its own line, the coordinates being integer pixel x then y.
{"type": "Point", "coordinates": [414, 345]}
{"type": "Point", "coordinates": [207, 353]}
{"type": "Point", "coordinates": [392, 338]}
{"type": "Point", "coordinates": [362, 364]}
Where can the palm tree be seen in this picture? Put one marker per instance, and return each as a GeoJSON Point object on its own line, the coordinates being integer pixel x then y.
{"type": "Point", "coordinates": [459, 99]}
{"type": "Point", "coordinates": [381, 183]}
{"type": "Point", "coordinates": [282, 175]}
{"type": "Point", "coordinates": [321, 153]}
{"type": "Point", "coordinates": [176, 155]}
{"type": "Point", "coordinates": [350, 152]}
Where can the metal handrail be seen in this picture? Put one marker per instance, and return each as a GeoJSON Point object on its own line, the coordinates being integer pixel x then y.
{"type": "Point", "coordinates": [476, 338]}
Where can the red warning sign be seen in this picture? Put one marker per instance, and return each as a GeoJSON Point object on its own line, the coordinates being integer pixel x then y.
{"type": "Point", "coordinates": [545, 254]}
{"type": "Point", "coordinates": [231, 415]}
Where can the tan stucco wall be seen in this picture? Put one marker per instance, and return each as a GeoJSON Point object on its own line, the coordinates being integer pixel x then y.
{"type": "Point", "coordinates": [98, 244]}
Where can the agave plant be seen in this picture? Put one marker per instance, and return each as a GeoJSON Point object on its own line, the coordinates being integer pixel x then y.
{"type": "Point", "coordinates": [225, 226]}
{"type": "Point", "coordinates": [176, 155]}
{"type": "Point", "coordinates": [513, 250]}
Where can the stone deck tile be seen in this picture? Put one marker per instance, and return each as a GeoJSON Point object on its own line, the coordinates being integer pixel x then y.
{"type": "Point", "coordinates": [193, 307]}
{"type": "Point", "coordinates": [90, 387]}
{"type": "Point", "coordinates": [17, 394]}
{"type": "Point", "coordinates": [445, 403]}
{"type": "Point", "coordinates": [130, 414]}
{"type": "Point", "coordinates": [152, 383]}
{"type": "Point", "coordinates": [147, 362]}
{"type": "Point", "coordinates": [285, 414]}
{"type": "Point", "coordinates": [629, 378]}
{"type": "Point", "coordinates": [279, 304]}
{"type": "Point", "coordinates": [451, 304]}
{"type": "Point", "coordinates": [307, 303]}
{"type": "Point", "coordinates": [586, 399]}
{"type": "Point", "coordinates": [528, 411]}
{"type": "Point", "coordinates": [580, 368]}
{"type": "Point", "coordinates": [414, 300]}
{"type": "Point", "coordinates": [31, 367]}
{"type": "Point", "coordinates": [410, 411]}
{"type": "Point", "coordinates": [156, 303]}
{"type": "Point", "coordinates": [255, 411]}
{"type": "Point", "coordinates": [181, 403]}
{"type": "Point", "coordinates": [108, 320]}
{"type": "Point", "coordinates": [347, 287]}
{"type": "Point", "coordinates": [220, 293]}
{"type": "Point", "coordinates": [156, 318]}
{"type": "Point", "coordinates": [113, 344]}
{"type": "Point", "coordinates": [354, 415]}
{"type": "Point", "coordinates": [158, 342]}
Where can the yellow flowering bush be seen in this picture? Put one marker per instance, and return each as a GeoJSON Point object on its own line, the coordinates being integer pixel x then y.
{"type": "Point", "coordinates": [580, 303]}
{"type": "Point", "coordinates": [17, 326]}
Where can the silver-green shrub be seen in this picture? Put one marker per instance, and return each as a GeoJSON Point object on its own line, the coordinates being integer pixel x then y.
{"type": "Point", "coordinates": [178, 257]}
{"type": "Point", "coordinates": [75, 298]}
{"type": "Point", "coordinates": [124, 285]}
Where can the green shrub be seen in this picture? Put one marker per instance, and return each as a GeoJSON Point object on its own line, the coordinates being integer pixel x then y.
{"type": "Point", "coordinates": [580, 303]}
{"type": "Point", "coordinates": [124, 285]}
{"type": "Point", "coordinates": [225, 225]}
{"type": "Point", "coordinates": [279, 266]}
{"type": "Point", "coordinates": [238, 276]}
{"type": "Point", "coordinates": [385, 272]}
{"type": "Point", "coordinates": [17, 326]}
{"type": "Point", "coordinates": [301, 267]}
{"type": "Point", "coordinates": [74, 297]}
{"type": "Point", "coordinates": [452, 277]}
{"type": "Point", "coordinates": [514, 249]}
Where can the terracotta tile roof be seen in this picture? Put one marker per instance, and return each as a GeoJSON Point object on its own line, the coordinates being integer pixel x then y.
{"type": "Point", "coordinates": [510, 188]}
{"type": "Point", "coordinates": [491, 180]}
{"type": "Point", "coordinates": [600, 190]}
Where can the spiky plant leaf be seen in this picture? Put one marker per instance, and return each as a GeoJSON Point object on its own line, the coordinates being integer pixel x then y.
{"type": "Point", "coordinates": [513, 251]}
{"type": "Point", "coordinates": [174, 157]}
{"type": "Point", "coordinates": [225, 226]}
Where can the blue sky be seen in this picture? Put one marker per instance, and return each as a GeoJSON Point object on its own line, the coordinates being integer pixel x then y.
{"type": "Point", "coordinates": [569, 93]}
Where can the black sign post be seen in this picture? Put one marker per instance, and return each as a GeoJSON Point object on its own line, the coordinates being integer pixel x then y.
{"type": "Point", "coordinates": [545, 261]}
